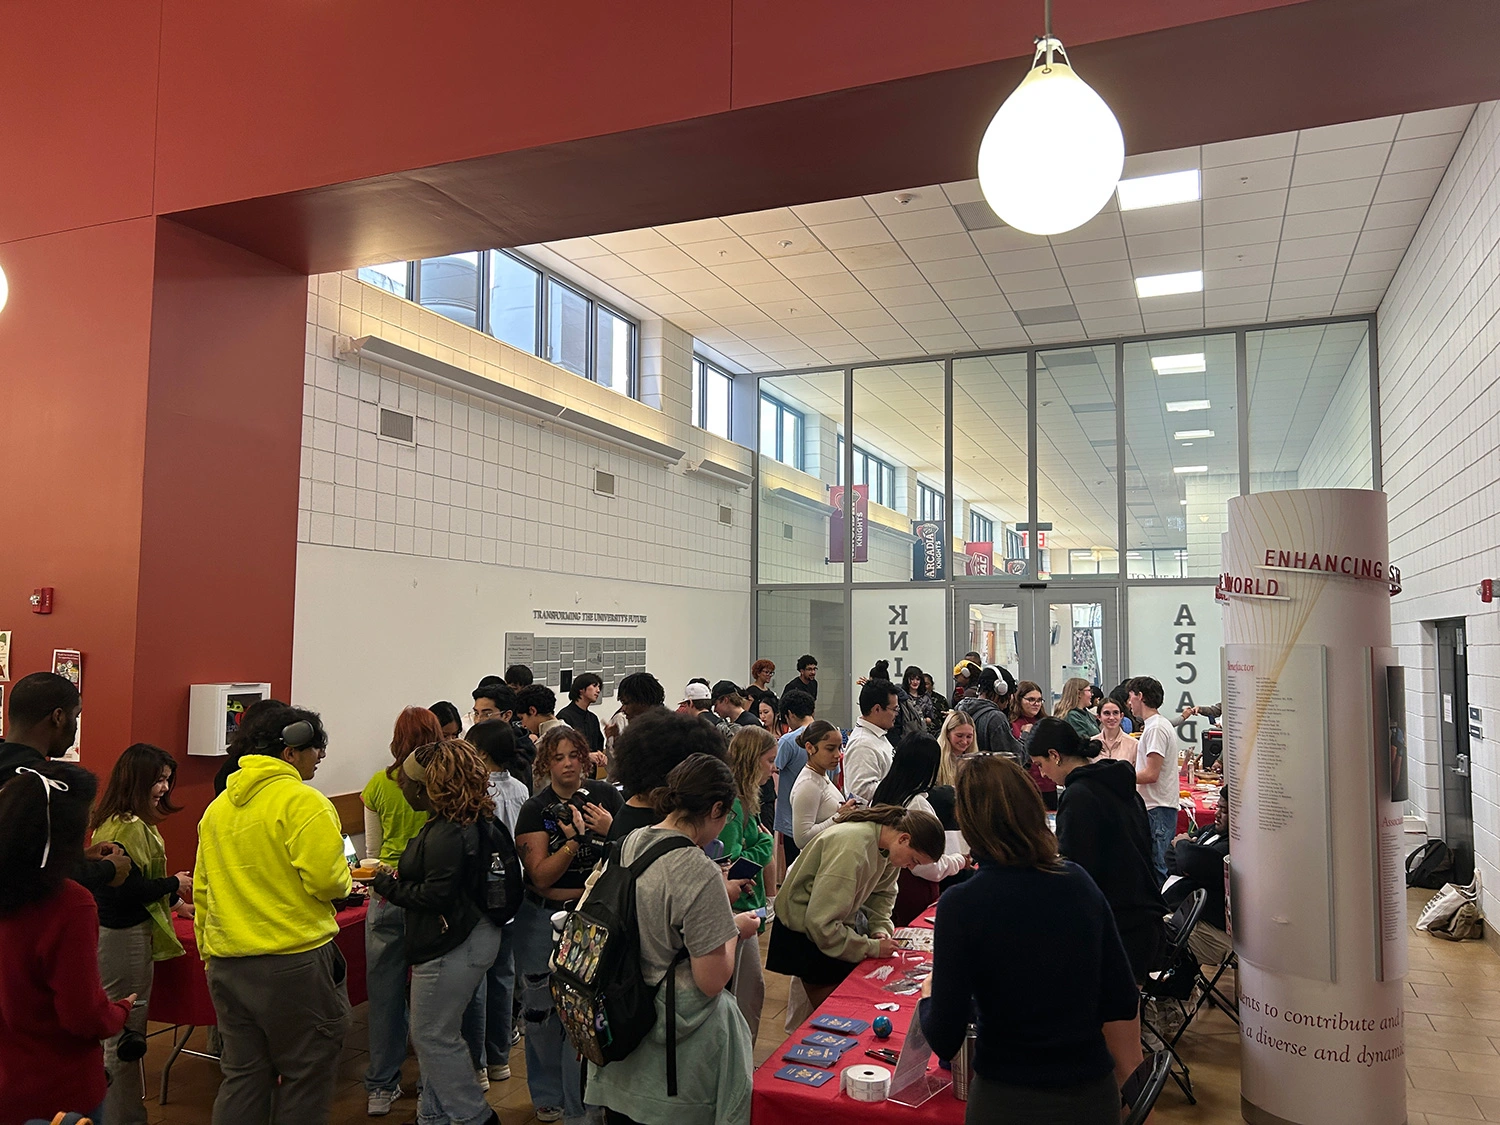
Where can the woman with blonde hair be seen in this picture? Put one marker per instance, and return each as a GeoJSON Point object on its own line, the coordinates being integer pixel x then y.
{"type": "Point", "coordinates": [956, 741]}
{"type": "Point", "coordinates": [450, 942]}
{"type": "Point", "coordinates": [1053, 1046]}
{"type": "Point", "coordinates": [1077, 698]}
{"type": "Point", "coordinates": [751, 752]}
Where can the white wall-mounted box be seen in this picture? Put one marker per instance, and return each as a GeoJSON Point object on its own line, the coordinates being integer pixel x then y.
{"type": "Point", "coordinates": [214, 712]}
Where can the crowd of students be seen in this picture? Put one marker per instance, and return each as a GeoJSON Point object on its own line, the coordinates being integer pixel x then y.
{"type": "Point", "coordinates": [828, 842]}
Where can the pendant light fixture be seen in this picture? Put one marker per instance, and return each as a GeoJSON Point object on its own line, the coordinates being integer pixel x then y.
{"type": "Point", "coordinates": [1053, 154]}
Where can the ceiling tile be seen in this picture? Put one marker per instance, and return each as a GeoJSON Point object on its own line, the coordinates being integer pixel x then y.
{"type": "Point", "coordinates": [1152, 220]}
{"type": "Point", "coordinates": [1399, 186]}
{"type": "Point", "coordinates": [1351, 134]}
{"type": "Point", "coordinates": [808, 265]}
{"type": "Point", "coordinates": [620, 241]}
{"type": "Point", "coordinates": [699, 230]}
{"type": "Point", "coordinates": [1431, 121]}
{"type": "Point", "coordinates": [1369, 279]}
{"type": "Point", "coordinates": [778, 291]}
{"type": "Point", "coordinates": [1033, 281]}
{"type": "Point", "coordinates": [1385, 238]}
{"type": "Point", "coordinates": [1238, 208]}
{"type": "Point", "coordinates": [721, 297]}
{"type": "Point", "coordinates": [1156, 264]}
{"type": "Point", "coordinates": [1106, 224]}
{"type": "Point", "coordinates": [1097, 326]}
{"type": "Point", "coordinates": [864, 318]}
{"type": "Point", "coordinates": [797, 240]}
{"type": "Point", "coordinates": [1103, 291]}
{"type": "Point", "coordinates": [1039, 307]}
{"type": "Point", "coordinates": [641, 286]}
{"type": "Point", "coordinates": [820, 285]}
{"type": "Point", "coordinates": [1217, 297]}
{"type": "Point", "coordinates": [1311, 287]}
{"type": "Point", "coordinates": [833, 211]}
{"type": "Point", "coordinates": [954, 269]}
{"type": "Point", "coordinates": [1300, 307]}
{"type": "Point", "coordinates": [986, 322]}
{"type": "Point", "coordinates": [923, 224]}
{"type": "Point", "coordinates": [820, 340]}
{"type": "Point", "coordinates": [1331, 196]}
{"type": "Point", "coordinates": [576, 249]}
{"type": "Point", "coordinates": [608, 267]}
{"type": "Point", "coordinates": [966, 287]}
{"type": "Point", "coordinates": [1356, 303]}
{"type": "Point", "coordinates": [667, 304]}
{"type": "Point", "coordinates": [1245, 179]}
{"type": "Point", "coordinates": [1242, 275]}
{"type": "Point", "coordinates": [906, 295]}
{"type": "Point", "coordinates": [857, 232]}
{"type": "Point", "coordinates": [1331, 245]}
{"type": "Point", "coordinates": [963, 191]}
{"type": "Point", "coordinates": [1172, 321]}
{"type": "Point", "coordinates": [1020, 261]}
{"type": "Point", "coordinates": [1092, 273]}
{"type": "Point", "coordinates": [1167, 242]}
{"type": "Point", "coordinates": [746, 273]}
{"type": "Point", "coordinates": [1218, 236]}
{"type": "Point", "coordinates": [1339, 164]}
{"type": "Point", "coordinates": [757, 222]}
{"type": "Point", "coordinates": [1224, 315]}
{"type": "Point", "coordinates": [663, 259]}
{"type": "Point", "coordinates": [997, 240]}
{"type": "Point", "coordinates": [1003, 338]}
{"type": "Point", "coordinates": [1335, 266]}
{"type": "Point", "coordinates": [1404, 213]}
{"type": "Point", "coordinates": [688, 281]}
{"type": "Point", "coordinates": [858, 300]}
{"type": "Point", "coordinates": [1249, 149]}
{"type": "Point", "coordinates": [1233, 257]}
{"type": "Point", "coordinates": [1342, 220]}
{"type": "Point", "coordinates": [1099, 250]}
{"type": "Point", "coordinates": [912, 199]}
{"type": "Point", "coordinates": [890, 277]}
{"type": "Point", "coordinates": [938, 247]}
{"type": "Point", "coordinates": [1422, 152]}
{"type": "Point", "coordinates": [1155, 163]}
{"type": "Point", "coordinates": [873, 257]}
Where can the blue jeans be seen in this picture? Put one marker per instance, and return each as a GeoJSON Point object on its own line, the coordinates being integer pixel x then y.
{"type": "Point", "coordinates": [487, 1020]}
{"type": "Point", "coordinates": [552, 1067]}
{"type": "Point", "coordinates": [385, 978]}
{"type": "Point", "coordinates": [1163, 828]}
{"type": "Point", "coordinates": [440, 991]}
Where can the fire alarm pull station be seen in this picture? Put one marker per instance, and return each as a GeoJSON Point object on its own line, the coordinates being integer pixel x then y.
{"type": "Point", "coordinates": [1487, 590]}
{"type": "Point", "coordinates": [41, 600]}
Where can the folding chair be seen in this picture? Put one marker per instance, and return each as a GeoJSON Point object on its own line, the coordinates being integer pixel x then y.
{"type": "Point", "coordinates": [1145, 1085]}
{"type": "Point", "coordinates": [1172, 987]}
{"type": "Point", "coordinates": [1208, 992]}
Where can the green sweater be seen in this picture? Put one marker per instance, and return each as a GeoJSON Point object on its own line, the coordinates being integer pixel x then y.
{"type": "Point", "coordinates": [744, 838]}
{"type": "Point", "coordinates": [841, 870]}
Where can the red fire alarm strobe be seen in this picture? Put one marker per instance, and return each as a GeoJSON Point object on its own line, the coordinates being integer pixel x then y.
{"type": "Point", "coordinates": [1487, 590]}
{"type": "Point", "coordinates": [41, 600]}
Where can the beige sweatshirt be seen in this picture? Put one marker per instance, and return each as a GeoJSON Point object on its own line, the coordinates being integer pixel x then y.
{"type": "Point", "coordinates": [838, 872]}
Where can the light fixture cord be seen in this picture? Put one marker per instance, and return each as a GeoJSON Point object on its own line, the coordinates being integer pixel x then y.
{"type": "Point", "coordinates": [1047, 33]}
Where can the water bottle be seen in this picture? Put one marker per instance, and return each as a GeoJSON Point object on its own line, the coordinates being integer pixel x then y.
{"type": "Point", "coordinates": [963, 1065]}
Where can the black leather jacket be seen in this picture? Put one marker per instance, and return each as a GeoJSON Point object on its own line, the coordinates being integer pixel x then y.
{"type": "Point", "coordinates": [435, 888]}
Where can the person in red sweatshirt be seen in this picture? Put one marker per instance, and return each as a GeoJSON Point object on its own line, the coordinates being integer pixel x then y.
{"type": "Point", "coordinates": [53, 1011]}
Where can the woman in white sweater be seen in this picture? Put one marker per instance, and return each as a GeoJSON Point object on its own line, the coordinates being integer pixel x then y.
{"type": "Point", "coordinates": [816, 800]}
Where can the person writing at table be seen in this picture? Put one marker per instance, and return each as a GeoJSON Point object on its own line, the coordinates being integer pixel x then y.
{"type": "Point", "coordinates": [555, 831]}
{"type": "Point", "coordinates": [1054, 1045]}
{"type": "Point", "coordinates": [848, 868]}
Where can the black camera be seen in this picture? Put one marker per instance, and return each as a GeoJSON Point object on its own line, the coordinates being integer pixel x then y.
{"type": "Point", "coordinates": [131, 1046]}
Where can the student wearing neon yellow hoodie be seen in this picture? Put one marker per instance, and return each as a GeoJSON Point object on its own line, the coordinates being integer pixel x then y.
{"type": "Point", "coordinates": [270, 865]}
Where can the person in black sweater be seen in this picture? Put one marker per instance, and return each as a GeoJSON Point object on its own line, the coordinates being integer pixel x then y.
{"type": "Point", "coordinates": [807, 677]}
{"type": "Point", "coordinates": [583, 693]}
{"type": "Point", "coordinates": [449, 941]}
{"type": "Point", "coordinates": [44, 711]}
{"type": "Point", "coordinates": [1102, 827]}
{"type": "Point", "coordinates": [1053, 1046]}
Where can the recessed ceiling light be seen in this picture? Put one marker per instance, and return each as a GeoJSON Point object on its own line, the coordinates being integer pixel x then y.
{"type": "Point", "coordinates": [1159, 191]}
{"type": "Point", "coordinates": [1184, 435]}
{"type": "Point", "coordinates": [1189, 364]}
{"type": "Point", "coordinates": [1166, 284]}
{"type": "Point", "coordinates": [1182, 406]}
{"type": "Point", "coordinates": [1190, 469]}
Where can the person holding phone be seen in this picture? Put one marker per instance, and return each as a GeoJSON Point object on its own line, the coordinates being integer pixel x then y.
{"type": "Point", "coordinates": [748, 844]}
{"type": "Point", "coordinates": [560, 835]}
{"type": "Point", "coordinates": [816, 800]}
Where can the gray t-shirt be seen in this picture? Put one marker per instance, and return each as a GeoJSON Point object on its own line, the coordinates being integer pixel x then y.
{"type": "Point", "coordinates": [679, 901]}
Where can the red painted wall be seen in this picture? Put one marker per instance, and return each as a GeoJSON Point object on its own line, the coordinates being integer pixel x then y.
{"type": "Point", "coordinates": [219, 500]}
{"type": "Point", "coordinates": [73, 372]}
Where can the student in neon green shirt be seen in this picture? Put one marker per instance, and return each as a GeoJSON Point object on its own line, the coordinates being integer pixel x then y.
{"type": "Point", "coordinates": [390, 824]}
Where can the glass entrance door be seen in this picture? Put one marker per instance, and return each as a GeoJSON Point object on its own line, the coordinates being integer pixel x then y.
{"type": "Point", "coordinates": [1048, 635]}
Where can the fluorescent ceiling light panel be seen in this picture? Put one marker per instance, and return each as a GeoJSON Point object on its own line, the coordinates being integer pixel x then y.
{"type": "Point", "coordinates": [1190, 469]}
{"type": "Point", "coordinates": [1190, 435]}
{"type": "Point", "coordinates": [1168, 284]}
{"type": "Point", "coordinates": [1189, 364]}
{"type": "Point", "coordinates": [1159, 191]}
{"type": "Point", "coordinates": [1183, 406]}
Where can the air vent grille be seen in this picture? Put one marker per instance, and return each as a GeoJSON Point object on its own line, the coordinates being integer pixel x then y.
{"type": "Point", "coordinates": [604, 483]}
{"type": "Point", "coordinates": [786, 531]}
{"type": "Point", "coordinates": [398, 426]}
{"type": "Point", "coordinates": [726, 514]}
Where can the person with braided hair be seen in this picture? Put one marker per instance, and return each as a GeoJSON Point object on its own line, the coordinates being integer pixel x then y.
{"type": "Point", "coordinates": [450, 942]}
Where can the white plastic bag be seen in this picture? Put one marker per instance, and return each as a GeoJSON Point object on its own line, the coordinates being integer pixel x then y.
{"type": "Point", "coordinates": [1446, 903]}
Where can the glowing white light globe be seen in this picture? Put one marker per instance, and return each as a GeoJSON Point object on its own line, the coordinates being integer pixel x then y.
{"type": "Point", "coordinates": [1053, 153]}
{"type": "Point", "coordinates": [4, 289]}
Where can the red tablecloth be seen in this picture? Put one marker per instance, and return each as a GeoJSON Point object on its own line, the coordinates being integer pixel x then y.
{"type": "Point", "coordinates": [179, 990]}
{"type": "Point", "coordinates": [1203, 811]}
{"type": "Point", "coordinates": [779, 1102]}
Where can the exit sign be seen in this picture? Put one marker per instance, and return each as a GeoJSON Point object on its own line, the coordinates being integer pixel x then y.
{"type": "Point", "coordinates": [1041, 540]}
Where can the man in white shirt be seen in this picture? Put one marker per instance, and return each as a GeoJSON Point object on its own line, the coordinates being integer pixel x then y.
{"type": "Point", "coordinates": [1156, 767]}
{"type": "Point", "coordinates": [868, 754]}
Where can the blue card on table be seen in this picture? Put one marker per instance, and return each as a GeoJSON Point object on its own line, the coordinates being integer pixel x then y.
{"type": "Point", "coordinates": [825, 1039]}
{"type": "Point", "coordinates": [817, 1056]}
{"type": "Point", "coordinates": [843, 1024]}
{"type": "Point", "coordinates": [804, 1075]}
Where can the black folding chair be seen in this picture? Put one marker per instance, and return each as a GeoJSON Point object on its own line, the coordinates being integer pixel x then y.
{"type": "Point", "coordinates": [1207, 989]}
{"type": "Point", "coordinates": [1145, 1085]}
{"type": "Point", "coordinates": [1171, 987]}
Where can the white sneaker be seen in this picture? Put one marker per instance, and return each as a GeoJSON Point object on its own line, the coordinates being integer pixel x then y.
{"type": "Point", "coordinates": [500, 1072]}
{"type": "Point", "coordinates": [378, 1104]}
{"type": "Point", "coordinates": [549, 1113]}
{"type": "Point", "coordinates": [483, 1077]}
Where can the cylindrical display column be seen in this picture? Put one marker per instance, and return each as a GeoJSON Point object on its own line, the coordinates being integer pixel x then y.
{"type": "Point", "coordinates": [1317, 897]}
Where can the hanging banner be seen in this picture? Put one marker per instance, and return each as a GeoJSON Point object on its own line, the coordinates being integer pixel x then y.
{"type": "Point", "coordinates": [928, 553]}
{"type": "Point", "coordinates": [836, 495]}
{"type": "Point", "coordinates": [979, 558]}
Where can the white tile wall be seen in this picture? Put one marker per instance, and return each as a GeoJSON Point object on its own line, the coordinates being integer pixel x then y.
{"type": "Point", "coordinates": [1440, 415]}
{"type": "Point", "coordinates": [484, 484]}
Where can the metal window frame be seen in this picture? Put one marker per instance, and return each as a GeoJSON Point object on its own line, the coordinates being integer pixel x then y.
{"type": "Point", "coordinates": [1119, 580]}
{"type": "Point", "coordinates": [989, 521]}
{"type": "Point", "coordinates": [701, 368]}
{"type": "Point", "coordinates": [940, 501]}
{"type": "Point", "coordinates": [782, 409]}
{"type": "Point", "coordinates": [541, 297]}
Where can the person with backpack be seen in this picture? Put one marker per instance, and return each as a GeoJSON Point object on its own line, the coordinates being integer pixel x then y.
{"type": "Point", "coordinates": [450, 941]}
{"type": "Point", "coordinates": [985, 701]}
{"type": "Point", "coordinates": [694, 1065]}
{"type": "Point", "coordinates": [560, 835]}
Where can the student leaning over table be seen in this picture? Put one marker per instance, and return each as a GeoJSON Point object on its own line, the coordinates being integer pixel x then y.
{"type": "Point", "coordinates": [270, 865]}
{"type": "Point", "coordinates": [1052, 1046]}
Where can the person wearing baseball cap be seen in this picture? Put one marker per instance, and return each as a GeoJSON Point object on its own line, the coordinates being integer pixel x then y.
{"type": "Point", "coordinates": [731, 706]}
{"type": "Point", "coordinates": [696, 697]}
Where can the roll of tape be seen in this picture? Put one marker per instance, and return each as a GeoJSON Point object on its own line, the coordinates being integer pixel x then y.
{"type": "Point", "coordinates": [867, 1083]}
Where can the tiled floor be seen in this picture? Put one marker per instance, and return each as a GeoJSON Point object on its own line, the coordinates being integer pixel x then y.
{"type": "Point", "coordinates": [1452, 1052]}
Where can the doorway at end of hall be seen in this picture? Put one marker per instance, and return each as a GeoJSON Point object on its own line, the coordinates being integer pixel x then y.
{"type": "Point", "coordinates": [1048, 635]}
